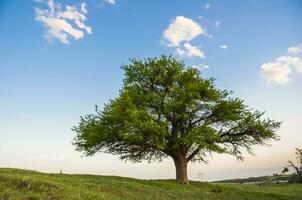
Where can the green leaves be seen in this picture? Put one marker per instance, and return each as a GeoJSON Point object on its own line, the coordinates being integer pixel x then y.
{"type": "Point", "coordinates": [168, 109]}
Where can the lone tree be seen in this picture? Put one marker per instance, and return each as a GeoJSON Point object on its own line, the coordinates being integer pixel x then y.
{"type": "Point", "coordinates": [297, 177]}
{"type": "Point", "coordinates": [166, 109]}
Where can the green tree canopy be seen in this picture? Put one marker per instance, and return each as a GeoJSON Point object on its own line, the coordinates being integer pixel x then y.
{"type": "Point", "coordinates": [166, 109]}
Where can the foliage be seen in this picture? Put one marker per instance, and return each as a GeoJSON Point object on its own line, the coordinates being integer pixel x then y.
{"type": "Point", "coordinates": [166, 109]}
{"type": "Point", "coordinates": [297, 176]}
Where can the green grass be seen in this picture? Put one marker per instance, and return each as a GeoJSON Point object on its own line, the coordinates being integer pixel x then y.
{"type": "Point", "coordinates": [28, 185]}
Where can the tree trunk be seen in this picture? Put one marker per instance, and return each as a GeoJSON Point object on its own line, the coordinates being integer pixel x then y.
{"type": "Point", "coordinates": [181, 170]}
{"type": "Point", "coordinates": [300, 177]}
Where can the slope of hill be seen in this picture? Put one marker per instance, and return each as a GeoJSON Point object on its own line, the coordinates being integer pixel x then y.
{"type": "Point", "coordinates": [28, 185]}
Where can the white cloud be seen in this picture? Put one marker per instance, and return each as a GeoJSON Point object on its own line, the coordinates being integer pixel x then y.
{"type": "Point", "coordinates": [291, 61]}
{"type": "Point", "coordinates": [113, 2]}
{"type": "Point", "coordinates": [71, 13]}
{"type": "Point", "coordinates": [223, 46]}
{"type": "Point", "coordinates": [207, 6]}
{"type": "Point", "coordinates": [58, 22]}
{"type": "Point", "coordinates": [193, 51]}
{"type": "Point", "coordinates": [200, 17]}
{"type": "Point", "coordinates": [182, 29]}
{"type": "Point", "coordinates": [275, 72]}
{"type": "Point", "coordinates": [295, 49]}
{"type": "Point", "coordinates": [180, 52]}
{"type": "Point", "coordinates": [201, 67]}
{"type": "Point", "coordinates": [59, 28]}
{"type": "Point", "coordinates": [280, 70]}
{"type": "Point", "coordinates": [190, 51]}
{"type": "Point", "coordinates": [84, 8]}
{"type": "Point", "coordinates": [217, 23]}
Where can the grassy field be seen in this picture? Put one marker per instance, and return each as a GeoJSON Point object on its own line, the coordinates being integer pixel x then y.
{"type": "Point", "coordinates": [29, 185]}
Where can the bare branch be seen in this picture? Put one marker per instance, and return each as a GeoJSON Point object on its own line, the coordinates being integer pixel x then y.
{"type": "Point", "coordinates": [196, 151]}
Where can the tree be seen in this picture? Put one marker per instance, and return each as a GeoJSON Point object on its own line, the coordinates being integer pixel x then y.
{"type": "Point", "coordinates": [166, 109]}
{"type": "Point", "coordinates": [298, 169]}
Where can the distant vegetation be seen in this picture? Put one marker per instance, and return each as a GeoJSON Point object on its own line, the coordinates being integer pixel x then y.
{"type": "Point", "coordinates": [296, 177]}
{"type": "Point", "coordinates": [28, 185]}
{"type": "Point", "coordinates": [261, 180]}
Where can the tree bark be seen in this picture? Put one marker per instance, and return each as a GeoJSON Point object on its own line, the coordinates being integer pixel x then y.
{"type": "Point", "coordinates": [181, 170]}
{"type": "Point", "coordinates": [300, 177]}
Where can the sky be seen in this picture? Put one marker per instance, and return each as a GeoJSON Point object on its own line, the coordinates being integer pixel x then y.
{"type": "Point", "coordinates": [59, 58]}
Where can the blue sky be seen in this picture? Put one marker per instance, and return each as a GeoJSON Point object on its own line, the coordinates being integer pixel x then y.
{"type": "Point", "coordinates": [46, 84]}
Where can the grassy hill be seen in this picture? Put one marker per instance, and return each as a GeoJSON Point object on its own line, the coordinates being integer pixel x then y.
{"type": "Point", "coordinates": [18, 184]}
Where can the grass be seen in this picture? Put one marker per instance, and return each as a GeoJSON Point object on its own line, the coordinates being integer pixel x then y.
{"type": "Point", "coordinates": [18, 184]}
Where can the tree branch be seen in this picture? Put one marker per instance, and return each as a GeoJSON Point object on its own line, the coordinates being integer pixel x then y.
{"type": "Point", "coordinates": [291, 164]}
{"type": "Point", "coordinates": [196, 151]}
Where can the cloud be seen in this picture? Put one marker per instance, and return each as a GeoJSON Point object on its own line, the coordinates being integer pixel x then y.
{"type": "Point", "coordinates": [113, 2]}
{"type": "Point", "coordinates": [182, 29]}
{"type": "Point", "coordinates": [275, 72]}
{"type": "Point", "coordinates": [84, 8]}
{"type": "Point", "coordinates": [201, 67]}
{"type": "Point", "coordinates": [58, 22]}
{"type": "Point", "coordinates": [207, 6]}
{"type": "Point", "coordinates": [223, 46]}
{"type": "Point", "coordinates": [193, 51]}
{"type": "Point", "coordinates": [190, 51]}
{"type": "Point", "coordinates": [295, 49]}
{"type": "Point", "coordinates": [279, 70]}
{"type": "Point", "coordinates": [180, 52]}
{"type": "Point", "coordinates": [291, 61]}
{"type": "Point", "coordinates": [217, 23]}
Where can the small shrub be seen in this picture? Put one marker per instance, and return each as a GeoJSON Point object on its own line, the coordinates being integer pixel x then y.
{"type": "Point", "coordinates": [216, 190]}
